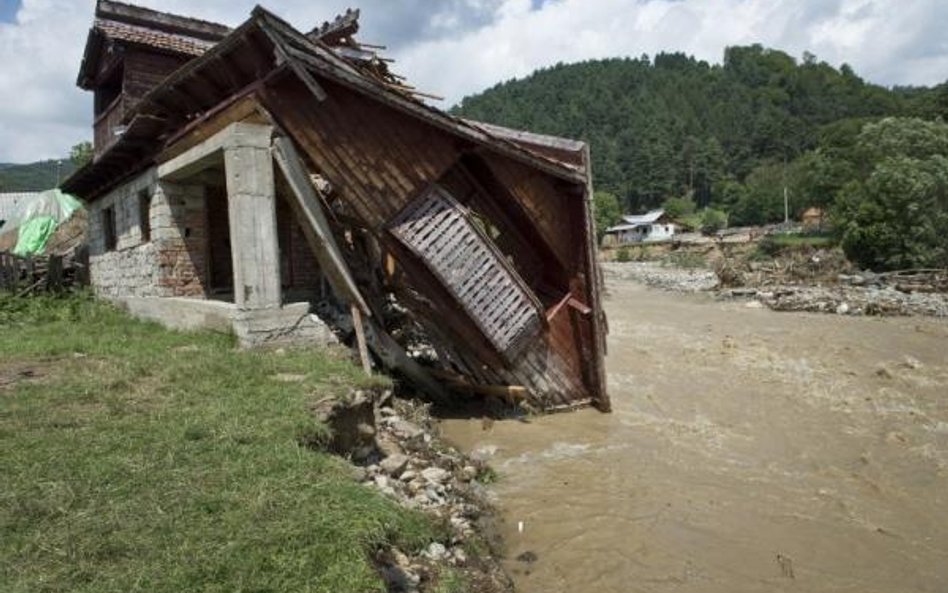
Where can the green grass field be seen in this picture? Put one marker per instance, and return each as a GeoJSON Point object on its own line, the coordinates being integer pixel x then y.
{"type": "Point", "coordinates": [790, 240]}
{"type": "Point", "coordinates": [139, 459]}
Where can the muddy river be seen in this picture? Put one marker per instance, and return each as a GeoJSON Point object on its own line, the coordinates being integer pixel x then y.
{"type": "Point", "coordinates": [748, 451]}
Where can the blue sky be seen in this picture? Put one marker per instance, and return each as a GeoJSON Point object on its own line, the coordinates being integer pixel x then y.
{"type": "Point", "coordinates": [8, 10]}
{"type": "Point", "coordinates": [454, 48]}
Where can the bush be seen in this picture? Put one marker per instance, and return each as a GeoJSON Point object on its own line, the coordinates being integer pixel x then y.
{"type": "Point", "coordinates": [712, 221]}
{"type": "Point", "coordinates": [677, 208]}
{"type": "Point", "coordinates": [623, 255]}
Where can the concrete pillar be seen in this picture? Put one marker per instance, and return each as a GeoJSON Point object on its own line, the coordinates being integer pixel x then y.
{"type": "Point", "coordinates": [251, 197]}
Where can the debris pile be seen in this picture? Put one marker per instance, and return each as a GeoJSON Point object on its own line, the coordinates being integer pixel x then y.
{"type": "Point", "coordinates": [662, 276]}
{"type": "Point", "coordinates": [397, 451]}
{"type": "Point", "coordinates": [818, 281]}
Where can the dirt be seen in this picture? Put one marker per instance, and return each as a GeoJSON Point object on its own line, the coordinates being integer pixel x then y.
{"type": "Point", "coordinates": [749, 450]}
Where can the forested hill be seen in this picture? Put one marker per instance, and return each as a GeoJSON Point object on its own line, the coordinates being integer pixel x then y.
{"type": "Point", "coordinates": [38, 176]}
{"type": "Point", "coordinates": [661, 128]}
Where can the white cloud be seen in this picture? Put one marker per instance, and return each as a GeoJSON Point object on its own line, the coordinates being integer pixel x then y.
{"type": "Point", "coordinates": [458, 47]}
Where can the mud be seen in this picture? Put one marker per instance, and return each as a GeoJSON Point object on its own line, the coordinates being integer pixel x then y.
{"type": "Point", "coordinates": [749, 450]}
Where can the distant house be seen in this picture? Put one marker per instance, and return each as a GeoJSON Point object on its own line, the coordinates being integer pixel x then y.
{"type": "Point", "coordinates": [813, 218]}
{"type": "Point", "coordinates": [649, 227]}
{"type": "Point", "coordinates": [10, 202]}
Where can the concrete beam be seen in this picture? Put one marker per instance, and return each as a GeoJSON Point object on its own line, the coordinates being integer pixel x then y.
{"type": "Point", "coordinates": [209, 152]}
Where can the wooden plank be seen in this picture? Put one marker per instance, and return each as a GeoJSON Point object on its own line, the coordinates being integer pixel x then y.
{"type": "Point", "coordinates": [308, 204]}
{"type": "Point", "coordinates": [394, 357]}
{"type": "Point", "coordinates": [360, 339]}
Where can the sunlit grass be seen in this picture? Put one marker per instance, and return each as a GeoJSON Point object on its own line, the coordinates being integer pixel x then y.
{"type": "Point", "coordinates": [139, 459]}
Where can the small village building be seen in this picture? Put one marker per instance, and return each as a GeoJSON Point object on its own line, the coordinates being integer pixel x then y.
{"type": "Point", "coordinates": [813, 218]}
{"type": "Point", "coordinates": [650, 227]}
{"type": "Point", "coordinates": [281, 184]}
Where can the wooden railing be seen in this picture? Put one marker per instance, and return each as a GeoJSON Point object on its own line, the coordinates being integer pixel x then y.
{"type": "Point", "coordinates": [108, 123]}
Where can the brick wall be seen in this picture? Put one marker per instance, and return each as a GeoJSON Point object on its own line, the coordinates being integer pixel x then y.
{"type": "Point", "coordinates": [299, 268]}
{"type": "Point", "coordinates": [172, 263]}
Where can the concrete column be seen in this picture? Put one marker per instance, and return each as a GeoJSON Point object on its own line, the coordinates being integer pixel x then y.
{"type": "Point", "coordinates": [251, 198]}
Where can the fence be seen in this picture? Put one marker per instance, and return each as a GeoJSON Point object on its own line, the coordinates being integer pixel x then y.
{"type": "Point", "coordinates": [26, 275]}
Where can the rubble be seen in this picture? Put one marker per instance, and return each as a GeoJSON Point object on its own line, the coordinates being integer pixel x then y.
{"type": "Point", "coordinates": [847, 300]}
{"type": "Point", "coordinates": [799, 283]}
{"type": "Point", "coordinates": [398, 452]}
{"type": "Point", "coordinates": [661, 276]}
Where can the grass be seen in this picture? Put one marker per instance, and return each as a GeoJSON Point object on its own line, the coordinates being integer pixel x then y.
{"type": "Point", "coordinates": [688, 260]}
{"type": "Point", "coordinates": [795, 240]}
{"type": "Point", "coordinates": [140, 459]}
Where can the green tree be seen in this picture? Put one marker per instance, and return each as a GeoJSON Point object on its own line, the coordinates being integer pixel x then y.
{"type": "Point", "coordinates": [81, 153]}
{"type": "Point", "coordinates": [897, 216]}
{"type": "Point", "coordinates": [608, 212]}
{"type": "Point", "coordinates": [677, 208]}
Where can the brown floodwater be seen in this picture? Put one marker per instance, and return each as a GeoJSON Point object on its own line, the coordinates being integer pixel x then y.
{"type": "Point", "coordinates": [748, 451]}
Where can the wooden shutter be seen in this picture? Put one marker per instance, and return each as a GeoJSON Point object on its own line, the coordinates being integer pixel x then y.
{"type": "Point", "coordinates": [439, 230]}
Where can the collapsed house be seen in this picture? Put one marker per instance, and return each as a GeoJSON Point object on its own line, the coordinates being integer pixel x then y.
{"type": "Point", "coordinates": [246, 178]}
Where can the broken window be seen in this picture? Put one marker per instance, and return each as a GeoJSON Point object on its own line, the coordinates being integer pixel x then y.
{"type": "Point", "coordinates": [108, 228]}
{"type": "Point", "coordinates": [144, 215]}
{"type": "Point", "coordinates": [439, 230]}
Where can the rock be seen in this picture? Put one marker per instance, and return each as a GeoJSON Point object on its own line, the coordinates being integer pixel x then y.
{"type": "Point", "coordinates": [399, 578]}
{"type": "Point", "coordinates": [405, 429]}
{"type": "Point", "coordinates": [389, 446]}
{"type": "Point", "coordinates": [754, 305]}
{"type": "Point", "coordinates": [435, 474]}
{"type": "Point", "coordinates": [408, 475]}
{"type": "Point", "coordinates": [527, 557]}
{"type": "Point", "coordinates": [394, 465]}
{"type": "Point", "coordinates": [436, 551]}
{"type": "Point", "coordinates": [381, 482]}
{"type": "Point", "coordinates": [484, 453]}
{"type": "Point", "coordinates": [459, 555]}
{"type": "Point", "coordinates": [842, 309]}
{"type": "Point", "coordinates": [468, 473]}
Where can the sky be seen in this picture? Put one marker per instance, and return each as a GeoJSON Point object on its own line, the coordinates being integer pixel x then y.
{"type": "Point", "coordinates": [454, 48]}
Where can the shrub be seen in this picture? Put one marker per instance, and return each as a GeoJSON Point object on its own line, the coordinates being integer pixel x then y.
{"type": "Point", "coordinates": [712, 221]}
{"type": "Point", "coordinates": [623, 255]}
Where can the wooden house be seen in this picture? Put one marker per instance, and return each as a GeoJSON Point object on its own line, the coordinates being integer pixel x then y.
{"type": "Point", "coordinates": [653, 226]}
{"type": "Point", "coordinates": [278, 183]}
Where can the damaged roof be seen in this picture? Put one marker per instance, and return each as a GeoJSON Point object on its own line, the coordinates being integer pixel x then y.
{"type": "Point", "coordinates": [328, 51]}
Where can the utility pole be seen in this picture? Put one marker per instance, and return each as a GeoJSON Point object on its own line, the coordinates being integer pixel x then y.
{"type": "Point", "coordinates": [59, 165]}
{"type": "Point", "coordinates": [786, 207]}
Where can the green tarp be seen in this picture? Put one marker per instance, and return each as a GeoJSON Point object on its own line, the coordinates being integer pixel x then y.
{"type": "Point", "coordinates": [39, 218]}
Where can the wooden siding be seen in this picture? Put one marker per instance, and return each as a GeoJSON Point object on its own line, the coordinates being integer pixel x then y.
{"type": "Point", "coordinates": [145, 70]}
{"type": "Point", "coordinates": [378, 158]}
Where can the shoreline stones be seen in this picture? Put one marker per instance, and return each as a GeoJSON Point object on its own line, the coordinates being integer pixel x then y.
{"type": "Point", "coordinates": [413, 467]}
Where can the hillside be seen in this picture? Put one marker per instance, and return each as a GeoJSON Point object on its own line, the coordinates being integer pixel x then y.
{"type": "Point", "coordinates": [661, 128]}
{"type": "Point", "coordinates": [34, 176]}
